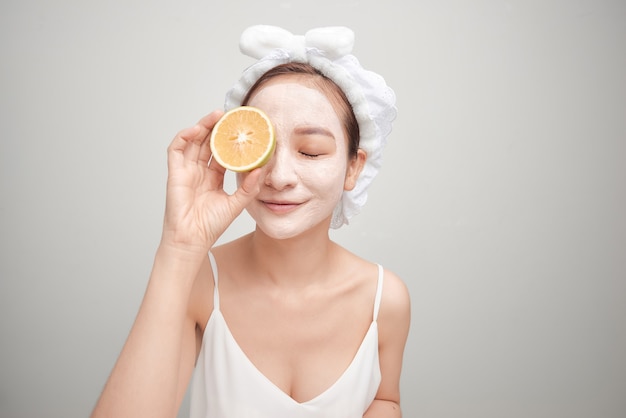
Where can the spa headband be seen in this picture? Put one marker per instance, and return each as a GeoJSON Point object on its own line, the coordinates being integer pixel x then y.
{"type": "Point", "coordinates": [329, 51]}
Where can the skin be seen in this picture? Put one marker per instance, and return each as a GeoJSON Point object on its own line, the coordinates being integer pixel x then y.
{"type": "Point", "coordinates": [293, 277]}
{"type": "Point", "coordinates": [307, 174]}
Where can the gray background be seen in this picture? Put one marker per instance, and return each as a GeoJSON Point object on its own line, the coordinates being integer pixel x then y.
{"type": "Point", "coordinates": [501, 201]}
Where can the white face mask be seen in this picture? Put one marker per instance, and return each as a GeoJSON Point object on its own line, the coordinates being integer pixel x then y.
{"type": "Point", "coordinates": [305, 178]}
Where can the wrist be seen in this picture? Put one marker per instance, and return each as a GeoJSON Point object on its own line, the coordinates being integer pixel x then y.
{"type": "Point", "coordinates": [181, 252]}
{"type": "Point", "coordinates": [178, 264]}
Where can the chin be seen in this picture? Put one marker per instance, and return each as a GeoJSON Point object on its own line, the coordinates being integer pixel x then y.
{"type": "Point", "coordinates": [282, 229]}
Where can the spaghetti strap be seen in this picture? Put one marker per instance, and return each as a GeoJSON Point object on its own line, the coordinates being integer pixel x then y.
{"type": "Point", "coordinates": [216, 294]}
{"type": "Point", "coordinates": [379, 291]}
{"type": "Point", "coordinates": [224, 375]}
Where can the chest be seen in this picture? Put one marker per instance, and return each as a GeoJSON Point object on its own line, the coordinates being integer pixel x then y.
{"type": "Point", "coordinates": [302, 344]}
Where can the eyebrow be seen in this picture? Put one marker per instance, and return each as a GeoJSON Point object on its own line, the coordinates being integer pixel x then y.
{"type": "Point", "coordinates": [314, 130]}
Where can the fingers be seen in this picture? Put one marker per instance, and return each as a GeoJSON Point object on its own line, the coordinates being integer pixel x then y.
{"type": "Point", "coordinates": [197, 148]}
{"type": "Point", "coordinates": [192, 144]}
{"type": "Point", "coordinates": [206, 125]}
{"type": "Point", "coordinates": [209, 121]}
{"type": "Point", "coordinates": [216, 180]}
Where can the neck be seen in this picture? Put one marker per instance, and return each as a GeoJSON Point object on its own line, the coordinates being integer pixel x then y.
{"type": "Point", "coordinates": [297, 261]}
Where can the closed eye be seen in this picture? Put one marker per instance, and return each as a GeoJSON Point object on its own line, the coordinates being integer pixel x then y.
{"type": "Point", "coordinates": [308, 155]}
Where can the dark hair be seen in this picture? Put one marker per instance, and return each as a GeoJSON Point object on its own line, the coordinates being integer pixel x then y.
{"type": "Point", "coordinates": [332, 91]}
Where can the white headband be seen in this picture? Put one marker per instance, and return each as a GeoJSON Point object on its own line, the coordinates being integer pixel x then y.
{"type": "Point", "coordinates": [329, 51]}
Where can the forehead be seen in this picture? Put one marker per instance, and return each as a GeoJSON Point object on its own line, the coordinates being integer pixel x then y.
{"type": "Point", "coordinates": [293, 95]}
{"type": "Point", "coordinates": [290, 83]}
{"type": "Point", "coordinates": [314, 81]}
{"type": "Point", "coordinates": [291, 104]}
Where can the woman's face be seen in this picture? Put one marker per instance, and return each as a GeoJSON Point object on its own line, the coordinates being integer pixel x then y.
{"type": "Point", "coordinates": [309, 170]}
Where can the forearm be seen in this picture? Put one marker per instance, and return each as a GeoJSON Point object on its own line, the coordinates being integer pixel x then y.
{"type": "Point", "coordinates": [383, 409]}
{"type": "Point", "coordinates": [144, 381]}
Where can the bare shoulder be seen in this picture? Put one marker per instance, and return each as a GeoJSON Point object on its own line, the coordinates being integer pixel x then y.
{"type": "Point", "coordinates": [395, 292]}
{"type": "Point", "coordinates": [395, 305]}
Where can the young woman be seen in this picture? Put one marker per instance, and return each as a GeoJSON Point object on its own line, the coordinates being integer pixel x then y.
{"type": "Point", "coordinates": [282, 322]}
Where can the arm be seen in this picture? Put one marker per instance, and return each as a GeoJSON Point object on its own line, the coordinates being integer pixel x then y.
{"type": "Point", "coordinates": [393, 328]}
{"type": "Point", "coordinates": [159, 352]}
{"type": "Point", "coordinates": [153, 370]}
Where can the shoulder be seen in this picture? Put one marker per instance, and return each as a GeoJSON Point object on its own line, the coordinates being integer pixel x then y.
{"type": "Point", "coordinates": [395, 305]}
{"type": "Point", "coordinates": [395, 297]}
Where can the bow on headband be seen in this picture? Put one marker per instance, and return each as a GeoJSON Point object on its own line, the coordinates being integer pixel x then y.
{"type": "Point", "coordinates": [258, 41]}
{"type": "Point", "coordinates": [329, 50]}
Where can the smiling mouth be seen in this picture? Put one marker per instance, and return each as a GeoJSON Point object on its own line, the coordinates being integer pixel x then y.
{"type": "Point", "coordinates": [280, 207]}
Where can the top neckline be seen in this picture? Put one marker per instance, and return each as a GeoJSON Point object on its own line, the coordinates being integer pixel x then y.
{"type": "Point", "coordinates": [217, 317]}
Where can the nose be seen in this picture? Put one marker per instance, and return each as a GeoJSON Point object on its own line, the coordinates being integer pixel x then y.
{"type": "Point", "coordinates": [281, 172]}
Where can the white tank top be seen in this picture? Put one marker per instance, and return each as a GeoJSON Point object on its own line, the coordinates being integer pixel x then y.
{"type": "Point", "coordinates": [226, 384]}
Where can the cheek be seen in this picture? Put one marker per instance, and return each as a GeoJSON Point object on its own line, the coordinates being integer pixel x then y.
{"type": "Point", "coordinates": [328, 176]}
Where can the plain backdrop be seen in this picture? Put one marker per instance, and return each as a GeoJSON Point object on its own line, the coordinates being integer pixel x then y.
{"type": "Point", "coordinates": [501, 201]}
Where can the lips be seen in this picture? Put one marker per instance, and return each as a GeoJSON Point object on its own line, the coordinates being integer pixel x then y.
{"type": "Point", "coordinates": [280, 207]}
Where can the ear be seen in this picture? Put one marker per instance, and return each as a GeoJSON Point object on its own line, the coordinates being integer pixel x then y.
{"type": "Point", "coordinates": [355, 166]}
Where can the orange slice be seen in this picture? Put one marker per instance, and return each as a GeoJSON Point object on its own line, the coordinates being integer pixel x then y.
{"type": "Point", "coordinates": [243, 139]}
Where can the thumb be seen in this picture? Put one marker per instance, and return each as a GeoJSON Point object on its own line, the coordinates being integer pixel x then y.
{"type": "Point", "coordinates": [248, 189]}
